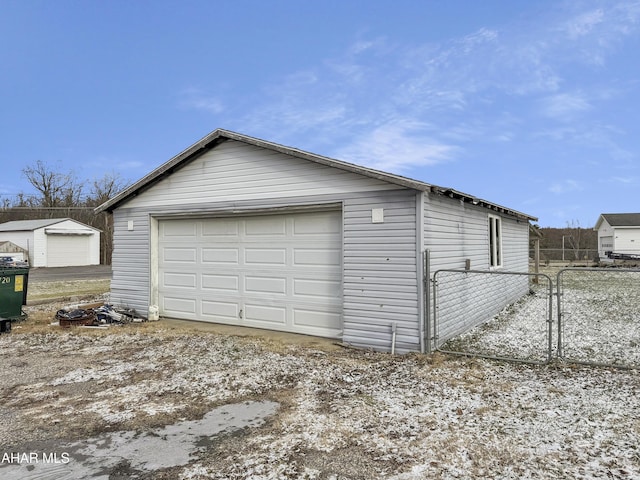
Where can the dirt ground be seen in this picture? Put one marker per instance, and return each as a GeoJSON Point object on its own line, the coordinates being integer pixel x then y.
{"type": "Point", "coordinates": [338, 413]}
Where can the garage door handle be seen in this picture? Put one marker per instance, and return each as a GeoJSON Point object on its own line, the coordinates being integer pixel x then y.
{"type": "Point", "coordinates": [240, 314]}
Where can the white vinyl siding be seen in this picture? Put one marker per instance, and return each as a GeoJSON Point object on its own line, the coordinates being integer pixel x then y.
{"type": "Point", "coordinates": [457, 233]}
{"type": "Point", "coordinates": [380, 279]}
{"type": "Point", "coordinates": [234, 170]}
{"type": "Point", "coordinates": [130, 282]}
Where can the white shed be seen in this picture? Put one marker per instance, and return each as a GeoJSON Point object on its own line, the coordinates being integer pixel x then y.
{"type": "Point", "coordinates": [618, 235]}
{"type": "Point", "coordinates": [54, 242]}
{"type": "Point", "coordinates": [246, 232]}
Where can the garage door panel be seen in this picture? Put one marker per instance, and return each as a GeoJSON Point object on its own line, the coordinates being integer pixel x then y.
{"type": "Point", "coordinates": [317, 257]}
{"type": "Point", "coordinates": [220, 283]}
{"type": "Point", "coordinates": [174, 254]}
{"type": "Point", "coordinates": [317, 289]}
{"type": "Point", "coordinates": [266, 285]}
{"type": "Point", "coordinates": [179, 228]}
{"type": "Point", "coordinates": [267, 225]}
{"type": "Point", "coordinates": [220, 228]}
{"type": "Point", "coordinates": [222, 311]}
{"type": "Point", "coordinates": [265, 256]}
{"type": "Point", "coordinates": [266, 315]}
{"type": "Point", "coordinates": [312, 318]}
{"type": "Point", "coordinates": [179, 306]}
{"type": "Point", "coordinates": [220, 256]}
{"type": "Point", "coordinates": [327, 224]}
{"type": "Point", "coordinates": [281, 272]}
{"type": "Point", "coordinates": [179, 280]}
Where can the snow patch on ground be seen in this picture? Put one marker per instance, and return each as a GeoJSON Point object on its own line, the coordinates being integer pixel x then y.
{"type": "Point", "coordinates": [343, 414]}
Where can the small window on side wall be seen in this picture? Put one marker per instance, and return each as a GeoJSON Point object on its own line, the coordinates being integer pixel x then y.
{"type": "Point", "coordinates": [495, 242]}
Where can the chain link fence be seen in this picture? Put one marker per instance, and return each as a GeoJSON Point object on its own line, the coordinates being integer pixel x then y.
{"type": "Point", "coordinates": [494, 314]}
{"type": "Point", "coordinates": [599, 316]}
{"type": "Point", "coordinates": [591, 316]}
{"type": "Point", "coordinates": [555, 255]}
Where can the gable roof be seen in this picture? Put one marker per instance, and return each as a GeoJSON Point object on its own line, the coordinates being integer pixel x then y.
{"type": "Point", "coordinates": [30, 225]}
{"type": "Point", "coordinates": [220, 135]}
{"type": "Point", "coordinates": [619, 220]}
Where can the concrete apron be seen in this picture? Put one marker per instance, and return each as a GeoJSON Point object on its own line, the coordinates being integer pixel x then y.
{"type": "Point", "coordinates": [271, 335]}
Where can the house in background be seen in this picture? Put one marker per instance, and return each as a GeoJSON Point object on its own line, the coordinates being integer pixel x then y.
{"type": "Point", "coordinates": [54, 242]}
{"type": "Point", "coordinates": [618, 235]}
{"type": "Point", "coordinates": [246, 232]}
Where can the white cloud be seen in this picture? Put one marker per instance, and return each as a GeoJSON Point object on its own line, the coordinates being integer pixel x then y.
{"type": "Point", "coordinates": [398, 106]}
{"type": "Point", "coordinates": [624, 180]}
{"type": "Point", "coordinates": [564, 106]}
{"type": "Point", "coordinates": [566, 186]}
{"type": "Point", "coordinates": [593, 33]}
{"type": "Point", "coordinates": [197, 99]}
{"type": "Point", "coordinates": [396, 147]}
{"type": "Point", "coordinates": [584, 23]}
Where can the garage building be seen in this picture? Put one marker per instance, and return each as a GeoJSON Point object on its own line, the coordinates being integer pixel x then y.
{"type": "Point", "coordinates": [246, 232]}
{"type": "Point", "coordinates": [54, 242]}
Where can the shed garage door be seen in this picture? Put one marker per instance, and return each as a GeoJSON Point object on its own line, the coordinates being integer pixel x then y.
{"type": "Point", "coordinates": [280, 272]}
{"type": "Point", "coordinates": [68, 250]}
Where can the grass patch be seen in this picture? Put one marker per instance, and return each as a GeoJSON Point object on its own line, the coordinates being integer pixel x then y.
{"type": "Point", "coordinates": [64, 289]}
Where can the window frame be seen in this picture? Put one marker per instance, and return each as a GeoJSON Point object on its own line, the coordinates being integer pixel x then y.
{"type": "Point", "coordinates": [494, 225]}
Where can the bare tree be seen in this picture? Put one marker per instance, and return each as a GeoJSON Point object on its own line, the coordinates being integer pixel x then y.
{"type": "Point", "coordinates": [56, 189]}
{"type": "Point", "coordinates": [102, 190]}
{"type": "Point", "coordinates": [105, 187]}
{"type": "Point", "coordinates": [575, 238]}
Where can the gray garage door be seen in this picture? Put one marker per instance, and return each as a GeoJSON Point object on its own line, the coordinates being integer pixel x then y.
{"type": "Point", "coordinates": [280, 272]}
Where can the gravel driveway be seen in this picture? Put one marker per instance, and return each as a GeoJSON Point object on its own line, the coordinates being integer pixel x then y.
{"type": "Point", "coordinates": [109, 402]}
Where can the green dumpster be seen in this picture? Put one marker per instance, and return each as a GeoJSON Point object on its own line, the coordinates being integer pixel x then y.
{"type": "Point", "coordinates": [13, 291]}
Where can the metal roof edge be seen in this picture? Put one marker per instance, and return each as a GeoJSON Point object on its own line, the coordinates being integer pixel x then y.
{"type": "Point", "coordinates": [450, 192]}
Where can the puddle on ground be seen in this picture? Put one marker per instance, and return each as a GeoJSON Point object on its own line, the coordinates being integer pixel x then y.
{"type": "Point", "coordinates": [133, 453]}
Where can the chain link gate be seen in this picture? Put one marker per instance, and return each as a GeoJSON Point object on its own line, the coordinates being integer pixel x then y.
{"type": "Point", "coordinates": [599, 316]}
{"type": "Point", "coordinates": [493, 314]}
{"type": "Point", "coordinates": [509, 315]}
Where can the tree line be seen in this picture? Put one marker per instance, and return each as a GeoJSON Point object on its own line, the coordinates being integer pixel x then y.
{"type": "Point", "coordinates": [64, 195]}
{"type": "Point", "coordinates": [572, 242]}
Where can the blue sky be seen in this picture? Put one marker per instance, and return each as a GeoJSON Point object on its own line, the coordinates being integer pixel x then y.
{"type": "Point", "coordinates": [531, 105]}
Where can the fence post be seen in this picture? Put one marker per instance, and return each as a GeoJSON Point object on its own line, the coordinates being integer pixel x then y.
{"type": "Point", "coordinates": [550, 320]}
{"type": "Point", "coordinates": [427, 293]}
{"type": "Point", "coordinates": [435, 310]}
{"type": "Point", "coordinates": [559, 313]}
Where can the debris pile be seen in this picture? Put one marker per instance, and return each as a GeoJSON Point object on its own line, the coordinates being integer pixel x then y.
{"type": "Point", "coordinates": [96, 316]}
{"type": "Point", "coordinates": [76, 317]}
